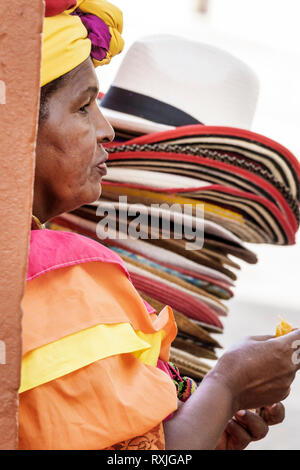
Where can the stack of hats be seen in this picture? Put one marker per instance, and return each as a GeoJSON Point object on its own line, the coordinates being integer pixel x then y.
{"type": "Point", "coordinates": [239, 186]}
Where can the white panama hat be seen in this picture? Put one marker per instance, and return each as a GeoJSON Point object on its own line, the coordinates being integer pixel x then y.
{"type": "Point", "coordinates": [166, 81]}
{"type": "Point", "coordinates": [192, 98]}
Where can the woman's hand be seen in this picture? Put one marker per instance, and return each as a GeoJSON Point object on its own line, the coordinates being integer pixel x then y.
{"type": "Point", "coordinates": [254, 374]}
{"type": "Point", "coordinates": [259, 371]}
{"type": "Point", "coordinates": [246, 427]}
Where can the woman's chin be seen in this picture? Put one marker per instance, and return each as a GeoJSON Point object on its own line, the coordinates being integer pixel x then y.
{"type": "Point", "coordinates": [95, 194]}
{"type": "Point", "coordinates": [85, 197]}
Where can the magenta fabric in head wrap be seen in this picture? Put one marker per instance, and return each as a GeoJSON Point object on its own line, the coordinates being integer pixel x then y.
{"type": "Point", "coordinates": [98, 33]}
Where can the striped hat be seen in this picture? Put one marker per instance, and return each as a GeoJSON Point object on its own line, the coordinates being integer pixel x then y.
{"type": "Point", "coordinates": [182, 111]}
{"type": "Point", "coordinates": [234, 169]}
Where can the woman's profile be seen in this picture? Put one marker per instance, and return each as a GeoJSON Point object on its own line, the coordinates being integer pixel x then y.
{"type": "Point", "coordinates": [90, 344]}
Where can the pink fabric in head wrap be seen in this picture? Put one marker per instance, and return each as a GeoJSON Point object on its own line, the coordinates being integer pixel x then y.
{"type": "Point", "coordinates": [55, 7]}
{"type": "Point", "coordinates": [98, 33]}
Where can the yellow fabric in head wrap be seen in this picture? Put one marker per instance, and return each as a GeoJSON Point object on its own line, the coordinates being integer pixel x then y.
{"type": "Point", "coordinates": [65, 41]}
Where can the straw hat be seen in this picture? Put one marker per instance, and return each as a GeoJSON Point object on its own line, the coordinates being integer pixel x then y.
{"type": "Point", "coordinates": [197, 102]}
{"type": "Point", "coordinates": [167, 81]}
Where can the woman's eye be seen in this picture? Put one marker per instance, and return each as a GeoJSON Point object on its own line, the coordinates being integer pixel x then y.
{"type": "Point", "coordinates": [84, 109]}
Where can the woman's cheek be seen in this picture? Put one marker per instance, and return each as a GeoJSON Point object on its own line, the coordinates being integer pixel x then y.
{"type": "Point", "coordinates": [84, 160]}
{"type": "Point", "coordinates": [82, 141]}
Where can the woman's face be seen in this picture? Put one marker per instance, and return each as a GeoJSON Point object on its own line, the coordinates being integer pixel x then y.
{"type": "Point", "coordinates": [69, 155]}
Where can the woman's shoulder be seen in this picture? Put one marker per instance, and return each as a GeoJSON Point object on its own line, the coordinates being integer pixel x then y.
{"type": "Point", "coordinates": [50, 250]}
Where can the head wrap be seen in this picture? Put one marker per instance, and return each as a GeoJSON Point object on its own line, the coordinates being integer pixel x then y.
{"type": "Point", "coordinates": [89, 27]}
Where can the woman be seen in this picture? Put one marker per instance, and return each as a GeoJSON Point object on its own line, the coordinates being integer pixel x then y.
{"type": "Point", "coordinates": [90, 345]}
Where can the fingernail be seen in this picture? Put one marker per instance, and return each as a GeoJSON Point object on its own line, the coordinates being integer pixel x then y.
{"type": "Point", "coordinates": [241, 413]}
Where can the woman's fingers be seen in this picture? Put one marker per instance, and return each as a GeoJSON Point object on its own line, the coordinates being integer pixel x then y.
{"type": "Point", "coordinates": [274, 414]}
{"type": "Point", "coordinates": [254, 424]}
{"type": "Point", "coordinates": [247, 426]}
{"type": "Point", "coordinates": [238, 436]}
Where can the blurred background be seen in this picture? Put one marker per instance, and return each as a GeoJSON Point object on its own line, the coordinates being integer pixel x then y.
{"type": "Point", "coordinates": [265, 35]}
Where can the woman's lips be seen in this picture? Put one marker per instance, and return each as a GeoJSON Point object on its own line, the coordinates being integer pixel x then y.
{"type": "Point", "coordinates": [102, 169]}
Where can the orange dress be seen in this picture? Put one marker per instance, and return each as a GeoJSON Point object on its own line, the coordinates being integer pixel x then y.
{"type": "Point", "coordinates": [90, 348]}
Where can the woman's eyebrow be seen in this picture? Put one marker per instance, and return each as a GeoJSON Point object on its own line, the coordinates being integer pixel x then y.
{"type": "Point", "coordinates": [91, 89]}
{"type": "Point", "coordinates": [82, 94]}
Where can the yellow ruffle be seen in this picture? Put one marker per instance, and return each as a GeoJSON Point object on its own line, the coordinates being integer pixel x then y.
{"type": "Point", "coordinates": [78, 350]}
{"type": "Point", "coordinates": [150, 356]}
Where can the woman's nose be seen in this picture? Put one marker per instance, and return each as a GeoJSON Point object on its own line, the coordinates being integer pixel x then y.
{"type": "Point", "coordinates": [104, 131]}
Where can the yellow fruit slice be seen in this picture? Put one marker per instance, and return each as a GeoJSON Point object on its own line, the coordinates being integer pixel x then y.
{"type": "Point", "coordinates": [283, 328]}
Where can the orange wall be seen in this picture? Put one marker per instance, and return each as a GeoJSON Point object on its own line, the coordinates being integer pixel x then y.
{"type": "Point", "coordinates": [20, 51]}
